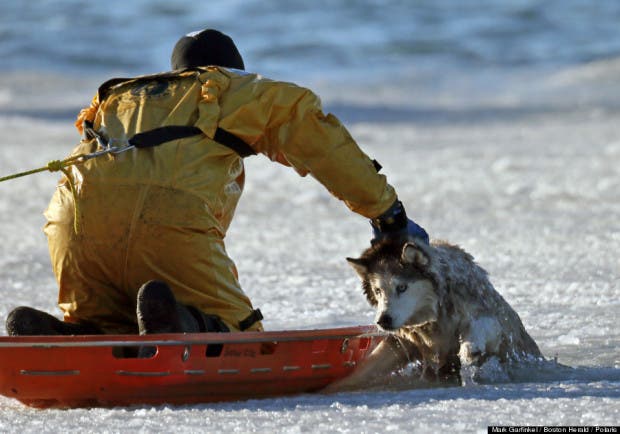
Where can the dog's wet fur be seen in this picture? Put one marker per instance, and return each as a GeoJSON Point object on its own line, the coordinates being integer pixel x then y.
{"type": "Point", "coordinates": [441, 309]}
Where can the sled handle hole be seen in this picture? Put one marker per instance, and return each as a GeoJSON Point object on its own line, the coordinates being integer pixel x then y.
{"type": "Point", "coordinates": [134, 352]}
{"type": "Point", "coordinates": [214, 350]}
{"type": "Point", "coordinates": [268, 348]}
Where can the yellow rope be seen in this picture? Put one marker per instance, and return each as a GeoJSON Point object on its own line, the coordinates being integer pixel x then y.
{"type": "Point", "coordinates": [58, 166]}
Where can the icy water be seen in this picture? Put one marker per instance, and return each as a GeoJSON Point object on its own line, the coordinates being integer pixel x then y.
{"type": "Point", "coordinates": [497, 123]}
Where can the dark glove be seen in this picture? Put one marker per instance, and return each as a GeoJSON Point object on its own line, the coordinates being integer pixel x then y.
{"type": "Point", "coordinates": [394, 223]}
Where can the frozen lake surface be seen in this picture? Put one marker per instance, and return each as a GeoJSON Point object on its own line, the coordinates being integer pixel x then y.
{"type": "Point", "coordinates": [533, 194]}
{"type": "Point", "coordinates": [506, 145]}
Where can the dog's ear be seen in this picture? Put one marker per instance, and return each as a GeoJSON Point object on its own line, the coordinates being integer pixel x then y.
{"type": "Point", "coordinates": [359, 265]}
{"type": "Point", "coordinates": [413, 254]}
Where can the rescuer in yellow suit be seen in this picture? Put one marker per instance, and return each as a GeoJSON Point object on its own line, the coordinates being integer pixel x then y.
{"type": "Point", "coordinates": [147, 253]}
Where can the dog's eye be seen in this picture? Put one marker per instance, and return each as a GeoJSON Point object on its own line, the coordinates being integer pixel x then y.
{"type": "Point", "coordinates": [401, 288]}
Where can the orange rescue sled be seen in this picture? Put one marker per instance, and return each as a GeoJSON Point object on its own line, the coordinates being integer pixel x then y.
{"type": "Point", "coordinates": [89, 371]}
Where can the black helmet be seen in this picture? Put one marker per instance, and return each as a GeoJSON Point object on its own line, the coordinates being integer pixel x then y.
{"type": "Point", "coordinates": [206, 47]}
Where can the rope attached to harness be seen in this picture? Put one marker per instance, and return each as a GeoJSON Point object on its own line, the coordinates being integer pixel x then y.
{"type": "Point", "coordinates": [52, 166]}
{"type": "Point", "coordinates": [58, 166]}
{"type": "Point", "coordinates": [145, 139]}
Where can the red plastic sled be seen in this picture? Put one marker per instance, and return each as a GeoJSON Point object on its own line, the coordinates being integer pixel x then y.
{"type": "Point", "coordinates": [95, 371]}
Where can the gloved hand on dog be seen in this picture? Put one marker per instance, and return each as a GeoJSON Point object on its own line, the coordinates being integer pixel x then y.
{"type": "Point", "coordinates": [394, 223]}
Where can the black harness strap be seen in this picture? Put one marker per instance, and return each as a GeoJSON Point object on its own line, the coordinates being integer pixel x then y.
{"type": "Point", "coordinates": [157, 136]}
{"type": "Point", "coordinates": [378, 166]}
{"type": "Point", "coordinates": [253, 318]}
{"type": "Point", "coordinates": [228, 139]}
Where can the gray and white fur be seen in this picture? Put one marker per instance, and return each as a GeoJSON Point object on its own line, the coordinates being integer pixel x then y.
{"type": "Point", "coordinates": [442, 309]}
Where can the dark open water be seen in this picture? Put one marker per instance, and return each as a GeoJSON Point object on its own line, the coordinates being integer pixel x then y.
{"type": "Point", "coordinates": [288, 38]}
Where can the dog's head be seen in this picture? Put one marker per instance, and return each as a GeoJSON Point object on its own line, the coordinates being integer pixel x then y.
{"type": "Point", "coordinates": [396, 279]}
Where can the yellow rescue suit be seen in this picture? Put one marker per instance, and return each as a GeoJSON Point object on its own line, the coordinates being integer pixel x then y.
{"type": "Point", "coordinates": [162, 212]}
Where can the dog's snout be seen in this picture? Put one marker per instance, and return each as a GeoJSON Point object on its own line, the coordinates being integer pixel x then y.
{"type": "Point", "coordinates": [385, 321]}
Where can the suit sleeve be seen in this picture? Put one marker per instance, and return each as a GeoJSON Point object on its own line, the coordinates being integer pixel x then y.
{"type": "Point", "coordinates": [286, 123]}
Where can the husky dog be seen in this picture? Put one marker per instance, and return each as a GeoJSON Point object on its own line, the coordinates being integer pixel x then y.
{"type": "Point", "coordinates": [441, 309]}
